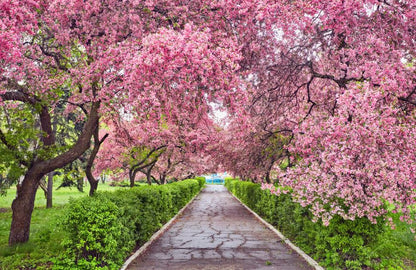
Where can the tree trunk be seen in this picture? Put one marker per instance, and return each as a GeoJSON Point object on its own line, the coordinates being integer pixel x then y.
{"type": "Point", "coordinates": [50, 175]}
{"type": "Point", "coordinates": [162, 179]}
{"type": "Point", "coordinates": [132, 176]}
{"type": "Point", "coordinates": [149, 177]}
{"type": "Point", "coordinates": [141, 165]}
{"type": "Point", "coordinates": [47, 187]}
{"type": "Point", "coordinates": [49, 190]}
{"type": "Point", "coordinates": [93, 187]}
{"type": "Point", "coordinates": [155, 180]}
{"type": "Point", "coordinates": [91, 180]}
{"type": "Point", "coordinates": [22, 207]}
{"type": "Point", "coordinates": [268, 181]}
{"type": "Point", "coordinates": [189, 176]}
{"type": "Point", "coordinates": [148, 173]}
{"type": "Point", "coordinates": [269, 169]}
{"type": "Point", "coordinates": [88, 170]}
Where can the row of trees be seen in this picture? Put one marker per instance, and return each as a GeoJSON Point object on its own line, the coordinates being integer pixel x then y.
{"type": "Point", "coordinates": [157, 152]}
{"type": "Point", "coordinates": [334, 83]}
{"type": "Point", "coordinates": [320, 95]}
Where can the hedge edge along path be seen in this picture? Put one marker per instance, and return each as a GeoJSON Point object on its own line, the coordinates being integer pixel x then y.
{"type": "Point", "coordinates": [156, 235]}
{"type": "Point", "coordinates": [311, 261]}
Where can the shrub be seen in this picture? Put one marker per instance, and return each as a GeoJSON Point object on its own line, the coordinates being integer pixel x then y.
{"type": "Point", "coordinates": [102, 230]}
{"type": "Point", "coordinates": [97, 236]}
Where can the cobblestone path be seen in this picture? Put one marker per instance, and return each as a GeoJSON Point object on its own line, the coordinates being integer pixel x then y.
{"type": "Point", "coordinates": [217, 232]}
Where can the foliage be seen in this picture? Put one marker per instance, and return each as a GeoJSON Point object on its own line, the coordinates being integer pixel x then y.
{"type": "Point", "coordinates": [138, 208]}
{"type": "Point", "coordinates": [103, 229]}
{"type": "Point", "coordinates": [20, 134]}
{"type": "Point", "coordinates": [97, 237]}
{"type": "Point", "coordinates": [344, 244]}
{"type": "Point", "coordinates": [201, 180]}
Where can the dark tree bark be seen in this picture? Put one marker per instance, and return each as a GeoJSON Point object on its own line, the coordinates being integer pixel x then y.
{"type": "Point", "coordinates": [93, 186]}
{"type": "Point", "coordinates": [268, 177]}
{"type": "Point", "coordinates": [269, 168]}
{"type": "Point", "coordinates": [189, 176]}
{"type": "Point", "coordinates": [148, 172]}
{"type": "Point", "coordinates": [132, 177]}
{"type": "Point", "coordinates": [88, 169]}
{"type": "Point", "coordinates": [155, 180]}
{"type": "Point", "coordinates": [22, 207]}
{"type": "Point", "coordinates": [162, 178]}
{"type": "Point", "coordinates": [169, 168]}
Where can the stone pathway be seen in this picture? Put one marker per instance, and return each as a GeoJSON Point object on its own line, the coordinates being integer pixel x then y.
{"type": "Point", "coordinates": [217, 232]}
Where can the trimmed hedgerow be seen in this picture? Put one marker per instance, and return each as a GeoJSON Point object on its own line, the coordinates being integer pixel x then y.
{"type": "Point", "coordinates": [344, 244]}
{"type": "Point", "coordinates": [102, 230]}
{"type": "Point", "coordinates": [201, 180]}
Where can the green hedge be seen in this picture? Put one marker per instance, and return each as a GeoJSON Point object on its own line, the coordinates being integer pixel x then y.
{"type": "Point", "coordinates": [105, 228]}
{"type": "Point", "coordinates": [201, 180]}
{"type": "Point", "coordinates": [344, 244]}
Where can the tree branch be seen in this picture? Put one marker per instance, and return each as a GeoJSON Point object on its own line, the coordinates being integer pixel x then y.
{"type": "Point", "coordinates": [82, 144]}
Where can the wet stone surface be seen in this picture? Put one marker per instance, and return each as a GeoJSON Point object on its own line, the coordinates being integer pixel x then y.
{"type": "Point", "coordinates": [217, 232]}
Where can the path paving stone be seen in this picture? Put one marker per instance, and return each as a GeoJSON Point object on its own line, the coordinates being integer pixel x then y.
{"type": "Point", "coordinates": [217, 232]}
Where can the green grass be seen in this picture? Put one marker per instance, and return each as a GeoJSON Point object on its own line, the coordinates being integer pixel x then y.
{"type": "Point", "coordinates": [45, 241]}
{"type": "Point", "coordinates": [45, 235]}
{"type": "Point", "coordinates": [60, 196]}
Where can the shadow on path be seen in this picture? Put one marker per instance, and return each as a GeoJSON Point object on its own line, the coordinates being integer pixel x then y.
{"type": "Point", "coordinates": [217, 232]}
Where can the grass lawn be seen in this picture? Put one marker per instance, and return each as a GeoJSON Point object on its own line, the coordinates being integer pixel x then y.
{"type": "Point", "coordinates": [60, 196]}
{"type": "Point", "coordinates": [45, 241]}
{"type": "Point", "coordinates": [45, 235]}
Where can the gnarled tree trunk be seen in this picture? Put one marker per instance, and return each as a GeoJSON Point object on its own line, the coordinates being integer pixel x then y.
{"type": "Point", "coordinates": [88, 169]}
{"type": "Point", "coordinates": [22, 207]}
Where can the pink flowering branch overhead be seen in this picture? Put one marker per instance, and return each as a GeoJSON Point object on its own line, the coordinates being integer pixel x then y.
{"type": "Point", "coordinates": [338, 80]}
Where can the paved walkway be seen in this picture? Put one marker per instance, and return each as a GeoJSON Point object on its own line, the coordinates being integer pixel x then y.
{"type": "Point", "coordinates": [217, 232]}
